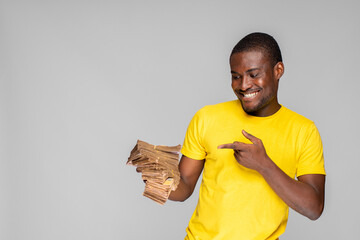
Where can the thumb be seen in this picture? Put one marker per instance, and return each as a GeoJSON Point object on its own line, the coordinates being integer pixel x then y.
{"type": "Point", "coordinates": [252, 138]}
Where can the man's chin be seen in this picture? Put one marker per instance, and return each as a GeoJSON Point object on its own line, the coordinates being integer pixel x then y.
{"type": "Point", "coordinates": [248, 109]}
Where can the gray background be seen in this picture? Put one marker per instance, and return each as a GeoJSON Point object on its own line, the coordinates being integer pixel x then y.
{"type": "Point", "coordinates": [80, 82]}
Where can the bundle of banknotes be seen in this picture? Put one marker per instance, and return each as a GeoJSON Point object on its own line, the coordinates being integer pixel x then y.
{"type": "Point", "coordinates": [158, 165]}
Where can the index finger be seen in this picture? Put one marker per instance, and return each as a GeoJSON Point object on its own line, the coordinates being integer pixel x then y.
{"type": "Point", "coordinates": [235, 145]}
{"type": "Point", "coordinates": [227, 146]}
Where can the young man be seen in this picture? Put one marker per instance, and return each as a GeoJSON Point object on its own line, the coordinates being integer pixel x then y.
{"type": "Point", "coordinates": [250, 150]}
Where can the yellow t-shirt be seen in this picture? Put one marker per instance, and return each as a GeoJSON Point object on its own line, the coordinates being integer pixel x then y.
{"type": "Point", "coordinates": [236, 202]}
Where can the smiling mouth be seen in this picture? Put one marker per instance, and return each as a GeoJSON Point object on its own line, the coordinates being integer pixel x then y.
{"type": "Point", "coordinates": [249, 95]}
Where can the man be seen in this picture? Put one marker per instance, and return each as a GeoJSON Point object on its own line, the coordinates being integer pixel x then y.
{"type": "Point", "coordinates": [251, 149]}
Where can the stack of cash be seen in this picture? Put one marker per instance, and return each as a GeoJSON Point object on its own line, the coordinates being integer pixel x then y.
{"type": "Point", "coordinates": [159, 169]}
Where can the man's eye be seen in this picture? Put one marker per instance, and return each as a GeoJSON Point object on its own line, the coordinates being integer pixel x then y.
{"type": "Point", "coordinates": [254, 75]}
{"type": "Point", "coordinates": [235, 77]}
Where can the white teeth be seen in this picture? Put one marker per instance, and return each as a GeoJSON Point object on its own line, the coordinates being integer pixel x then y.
{"type": "Point", "coordinates": [249, 95]}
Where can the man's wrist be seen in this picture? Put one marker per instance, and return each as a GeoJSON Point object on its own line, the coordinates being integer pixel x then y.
{"type": "Point", "coordinates": [267, 166]}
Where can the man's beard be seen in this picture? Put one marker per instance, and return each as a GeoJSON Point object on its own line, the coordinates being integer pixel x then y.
{"type": "Point", "coordinates": [263, 102]}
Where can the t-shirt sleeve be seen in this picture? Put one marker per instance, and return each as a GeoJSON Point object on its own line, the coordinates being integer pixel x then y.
{"type": "Point", "coordinates": [193, 146]}
{"type": "Point", "coordinates": [311, 160]}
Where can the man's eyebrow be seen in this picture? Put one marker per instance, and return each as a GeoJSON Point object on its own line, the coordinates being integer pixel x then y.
{"type": "Point", "coordinates": [247, 71]}
{"type": "Point", "coordinates": [252, 69]}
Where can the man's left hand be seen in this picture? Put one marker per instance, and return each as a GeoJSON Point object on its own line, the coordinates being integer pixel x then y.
{"type": "Point", "coordinates": [252, 156]}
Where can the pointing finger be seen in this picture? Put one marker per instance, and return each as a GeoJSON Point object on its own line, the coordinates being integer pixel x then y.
{"type": "Point", "coordinates": [235, 145]}
{"type": "Point", "coordinates": [249, 136]}
{"type": "Point", "coordinates": [227, 146]}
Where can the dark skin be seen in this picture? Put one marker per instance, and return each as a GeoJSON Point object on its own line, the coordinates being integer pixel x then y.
{"type": "Point", "coordinates": [190, 170]}
{"type": "Point", "coordinates": [255, 82]}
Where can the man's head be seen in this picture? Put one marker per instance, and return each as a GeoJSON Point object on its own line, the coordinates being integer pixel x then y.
{"type": "Point", "coordinates": [256, 67]}
{"type": "Point", "coordinates": [261, 42]}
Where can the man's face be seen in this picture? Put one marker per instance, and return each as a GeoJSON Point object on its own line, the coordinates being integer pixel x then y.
{"type": "Point", "coordinates": [255, 82]}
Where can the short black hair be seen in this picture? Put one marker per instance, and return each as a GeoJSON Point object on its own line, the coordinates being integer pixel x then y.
{"type": "Point", "coordinates": [262, 42]}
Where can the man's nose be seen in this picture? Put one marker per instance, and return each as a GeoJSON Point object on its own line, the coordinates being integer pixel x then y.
{"type": "Point", "coordinates": [245, 83]}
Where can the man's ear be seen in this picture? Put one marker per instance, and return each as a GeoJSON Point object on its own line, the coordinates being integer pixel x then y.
{"type": "Point", "coordinates": [279, 70]}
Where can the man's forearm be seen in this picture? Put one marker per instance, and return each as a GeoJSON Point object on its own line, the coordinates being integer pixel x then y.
{"type": "Point", "coordinates": [182, 192]}
{"type": "Point", "coordinates": [304, 197]}
{"type": "Point", "coordinates": [190, 171]}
